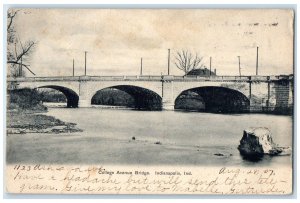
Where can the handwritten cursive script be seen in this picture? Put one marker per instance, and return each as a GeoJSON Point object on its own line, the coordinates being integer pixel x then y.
{"type": "Point", "coordinates": [130, 180]}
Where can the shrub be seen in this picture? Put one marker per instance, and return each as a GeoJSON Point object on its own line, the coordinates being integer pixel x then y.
{"type": "Point", "coordinates": [25, 99]}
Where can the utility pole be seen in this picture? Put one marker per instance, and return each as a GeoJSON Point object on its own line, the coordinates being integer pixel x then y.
{"type": "Point", "coordinates": [168, 61]}
{"type": "Point", "coordinates": [73, 68]}
{"type": "Point", "coordinates": [257, 60]}
{"type": "Point", "coordinates": [21, 71]}
{"type": "Point", "coordinates": [209, 66]}
{"type": "Point", "coordinates": [239, 65]}
{"type": "Point", "coordinates": [141, 72]}
{"type": "Point", "coordinates": [85, 63]}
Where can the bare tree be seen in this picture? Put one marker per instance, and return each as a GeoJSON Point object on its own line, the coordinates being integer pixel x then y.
{"type": "Point", "coordinates": [17, 52]}
{"type": "Point", "coordinates": [185, 61]}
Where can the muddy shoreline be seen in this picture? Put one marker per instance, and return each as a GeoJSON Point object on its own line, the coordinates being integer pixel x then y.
{"type": "Point", "coordinates": [22, 122]}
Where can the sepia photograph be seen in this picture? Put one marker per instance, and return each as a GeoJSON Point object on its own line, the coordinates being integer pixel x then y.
{"type": "Point", "coordinates": [161, 101]}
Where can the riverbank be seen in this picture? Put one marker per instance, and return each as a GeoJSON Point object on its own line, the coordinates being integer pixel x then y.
{"type": "Point", "coordinates": [31, 122]}
{"type": "Point", "coordinates": [25, 114]}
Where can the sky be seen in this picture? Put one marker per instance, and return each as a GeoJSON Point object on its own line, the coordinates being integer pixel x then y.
{"type": "Point", "coordinates": [116, 39]}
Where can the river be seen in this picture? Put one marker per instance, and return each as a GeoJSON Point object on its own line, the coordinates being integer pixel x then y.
{"type": "Point", "coordinates": [161, 138]}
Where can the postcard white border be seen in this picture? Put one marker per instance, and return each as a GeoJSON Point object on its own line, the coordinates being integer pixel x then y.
{"type": "Point", "coordinates": [137, 4]}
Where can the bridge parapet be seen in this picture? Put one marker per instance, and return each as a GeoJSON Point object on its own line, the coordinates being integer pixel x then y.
{"type": "Point", "coordinates": [155, 78]}
{"type": "Point", "coordinates": [38, 79]}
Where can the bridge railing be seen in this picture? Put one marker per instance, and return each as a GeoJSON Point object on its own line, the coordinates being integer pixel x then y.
{"type": "Point", "coordinates": [206, 78]}
{"type": "Point", "coordinates": [105, 77]}
{"type": "Point", "coordinates": [127, 77]}
{"type": "Point", "coordinates": [56, 78]}
{"type": "Point", "coordinates": [153, 78]}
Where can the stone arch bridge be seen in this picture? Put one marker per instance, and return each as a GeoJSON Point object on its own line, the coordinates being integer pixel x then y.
{"type": "Point", "coordinates": [251, 93]}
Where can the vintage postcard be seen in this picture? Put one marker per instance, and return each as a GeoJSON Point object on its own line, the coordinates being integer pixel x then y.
{"type": "Point", "coordinates": [150, 101]}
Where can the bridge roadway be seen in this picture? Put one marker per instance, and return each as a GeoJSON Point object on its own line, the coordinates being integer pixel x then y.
{"type": "Point", "coordinates": [250, 93]}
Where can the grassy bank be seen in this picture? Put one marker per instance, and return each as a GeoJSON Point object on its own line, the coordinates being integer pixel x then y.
{"type": "Point", "coordinates": [24, 115]}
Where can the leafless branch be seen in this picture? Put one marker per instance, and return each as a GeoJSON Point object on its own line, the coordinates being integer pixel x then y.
{"type": "Point", "coordinates": [16, 53]}
{"type": "Point", "coordinates": [17, 50]}
{"type": "Point", "coordinates": [22, 64]}
{"type": "Point", "coordinates": [21, 43]}
{"type": "Point", "coordinates": [10, 17]}
{"type": "Point", "coordinates": [25, 50]}
{"type": "Point", "coordinates": [185, 61]}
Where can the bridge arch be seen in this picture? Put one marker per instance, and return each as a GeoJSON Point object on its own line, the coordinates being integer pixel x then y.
{"type": "Point", "coordinates": [216, 99]}
{"type": "Point", "coordinates": [143, 98]}
{"type": "Point", "coordinates": [71, 95]}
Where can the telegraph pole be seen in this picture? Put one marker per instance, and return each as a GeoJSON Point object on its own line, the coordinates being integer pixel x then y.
{"type": "Point", "coordinates": [141, 72]}
{"type": "Point", "coordinates": [73, 68]}
{"type": "Point", "coordinates": [209, 66]}
{"type": "Point", "coordinates": [257, 60]}
{"type": "Point", "coordinates": [21, 71]}
{"type": "Point", "coordinates": [168, 61]}
{"type": "Point", "coordinates": [85, 63]}
{"type": "Point", "coordinates": [239, 65]}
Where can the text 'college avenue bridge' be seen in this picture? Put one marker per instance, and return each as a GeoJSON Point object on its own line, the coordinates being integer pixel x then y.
{"type": "Point", "coordinates": [221, 93]}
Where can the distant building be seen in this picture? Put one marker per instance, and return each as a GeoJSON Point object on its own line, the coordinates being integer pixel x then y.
{"type": "Point", "coordinates": [202, 72]}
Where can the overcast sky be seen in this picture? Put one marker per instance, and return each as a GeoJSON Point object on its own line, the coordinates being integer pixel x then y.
{"type": "Point", "coordinates": [116, 40]}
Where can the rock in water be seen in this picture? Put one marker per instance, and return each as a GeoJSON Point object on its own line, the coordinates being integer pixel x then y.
{"type": "Point", "coordinates": [258, 141]}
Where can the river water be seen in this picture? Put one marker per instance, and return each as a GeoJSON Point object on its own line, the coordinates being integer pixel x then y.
{"type": "Point", "coordinates": [161, 138]}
